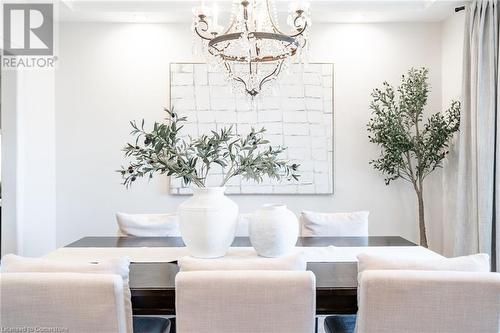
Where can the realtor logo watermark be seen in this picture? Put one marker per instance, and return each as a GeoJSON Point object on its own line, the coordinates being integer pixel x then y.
{"type": "Point", "coordinates": [28, 31]}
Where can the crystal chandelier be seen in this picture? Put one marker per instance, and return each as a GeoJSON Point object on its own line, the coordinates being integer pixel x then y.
{"type": "Point", "coordinates": [252, 51]}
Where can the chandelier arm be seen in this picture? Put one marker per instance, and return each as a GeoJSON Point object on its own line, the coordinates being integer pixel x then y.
{"type": "Point", "coordinates": [275, 26]}
{"type": "Point", "coordinates": [240, 80]}
{"type": "Point", "coordinates": [201, 36]}
{"type": "Point", "coordinates": [202, 29]}
{"type": "Point", "coordinates": [301, 32]}
{"type": "Point", "coordinates": [213, 46]}
{"type": "Point", "coordinates": [216, 49]}
{"type": "Point", "coordinates": [276, 71]}
{"type": "Point", "coordinates": [224, 47]}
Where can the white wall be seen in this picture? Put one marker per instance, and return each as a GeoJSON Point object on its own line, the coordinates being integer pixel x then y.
{"type": "Point", "coordinates": [36, 179]}
{"type": "Point", "coordinates": [9, 162]}
{"type": "Point", "coordinates": [28, 160]}
{"type": "Point", "coordinates": [364, 56]}
{"type": "Point", "coordinates": [109, 74]}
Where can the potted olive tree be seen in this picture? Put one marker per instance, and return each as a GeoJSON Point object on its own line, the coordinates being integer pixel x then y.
{"type": "Point", "coordinates": [208, 219]}
{"type": "Point", "coordinates": [410, 147]}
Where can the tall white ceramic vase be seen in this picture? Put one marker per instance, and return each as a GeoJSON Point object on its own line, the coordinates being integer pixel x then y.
{"type": "Point", "coordinates": [273, 230]}
{"type": "Point", "coordinates": [208, 222]}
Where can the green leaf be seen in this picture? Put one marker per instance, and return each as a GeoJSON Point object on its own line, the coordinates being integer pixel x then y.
{"type": "Point", "coordinates": [410, 148]}
{"type": "Point", "coordinates": [166, 152]}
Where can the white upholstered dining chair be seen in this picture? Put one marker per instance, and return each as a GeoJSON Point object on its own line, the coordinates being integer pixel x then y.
{"type": "Point", "coordinates": [245, 301]}
{"type": "Point", "coordinates": [354, 224]}
{"type": "Point", "coordinates": [394, 301]}
{"type": "Point", "coordinates": [75, 302]}
{"type": "Point", "coordinates": [163, 225]}
{"type": "Point", "coordinates": [318, 224]}
{"type": "Point", "coordinates": [148, 225]}
{"type": "Point", "coordinates": [72, 297]}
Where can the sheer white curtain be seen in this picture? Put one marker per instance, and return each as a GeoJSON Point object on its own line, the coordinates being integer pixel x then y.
{"type": "Point", "coordinates": [473, 184]}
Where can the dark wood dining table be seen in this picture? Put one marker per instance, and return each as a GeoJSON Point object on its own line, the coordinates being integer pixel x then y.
{"type": "Point", "coordinates": [153, 284]}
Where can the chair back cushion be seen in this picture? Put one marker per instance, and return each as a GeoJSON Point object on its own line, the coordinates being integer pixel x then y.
{"type": "Point", "coordinates": [394, 301]}
{"type": "Point", "coordinates": [293, 262]}
{"type": "Point", "coordinates": [353, 224]}
{"type": "Point", "coordinates": [473, 263]}
{"type": "Point", "coordinates": [120, 266]}
{"type": "Point", "coordinates": [245, 301]}
{"type": "Point", "coordinates": [148, 225]}
{"type": "Point", "coordinates": [63, 302]}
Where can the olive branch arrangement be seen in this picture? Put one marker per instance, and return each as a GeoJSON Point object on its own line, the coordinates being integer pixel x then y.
{"type": "Point", "coordinates": [410, 148]}
{"type": "Point", "coordinates": [163, 151]}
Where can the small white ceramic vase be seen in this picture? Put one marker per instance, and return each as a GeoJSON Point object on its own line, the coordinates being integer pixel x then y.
{"type": "Point", "coordinates": [208, 222]}
{"type": "Point", "coordinates": [273, 230]}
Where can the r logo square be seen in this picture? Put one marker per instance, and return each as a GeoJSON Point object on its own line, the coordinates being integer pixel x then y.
{"type": "Point", "coordinates": [28, 29]}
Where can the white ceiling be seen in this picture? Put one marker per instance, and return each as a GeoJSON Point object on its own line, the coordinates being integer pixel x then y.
{"type": "Point", "coordinates": [342, 11]}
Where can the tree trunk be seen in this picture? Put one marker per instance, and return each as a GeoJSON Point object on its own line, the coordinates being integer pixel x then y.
{"type": "Point", "coordinates": [421, 218]}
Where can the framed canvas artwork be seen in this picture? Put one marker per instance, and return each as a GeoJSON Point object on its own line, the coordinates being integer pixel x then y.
{"type": "Point", "coordinates": [297, 113]}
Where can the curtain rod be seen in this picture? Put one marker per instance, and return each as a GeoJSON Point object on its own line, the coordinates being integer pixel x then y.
{"type": "Point", "coordinates": [458, 9]}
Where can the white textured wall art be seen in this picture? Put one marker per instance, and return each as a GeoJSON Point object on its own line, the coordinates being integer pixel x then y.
{"type": "Point", "coordinates": [297, 113]}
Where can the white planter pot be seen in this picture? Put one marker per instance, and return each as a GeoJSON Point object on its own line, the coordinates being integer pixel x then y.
{"type": "Point", "coordinates": [273, 230]}
{"type": "Point", "coordinates": [208, 222]}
